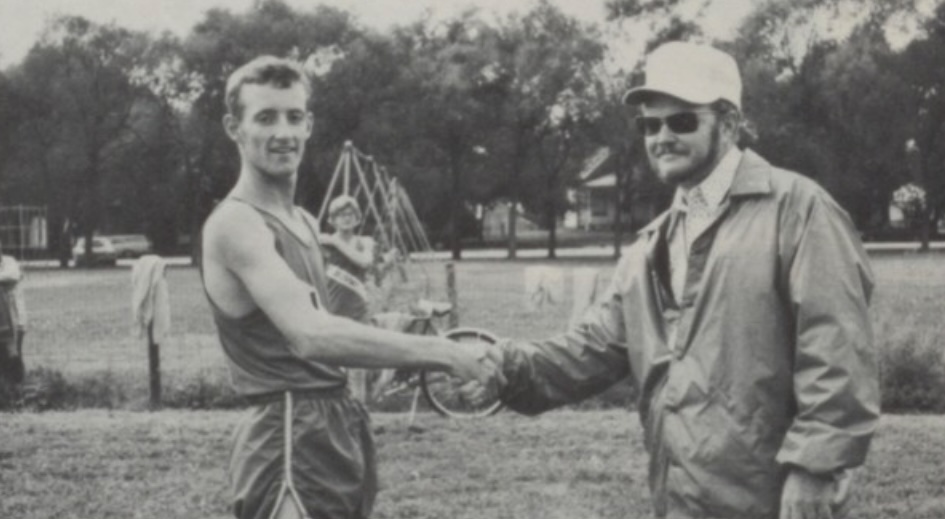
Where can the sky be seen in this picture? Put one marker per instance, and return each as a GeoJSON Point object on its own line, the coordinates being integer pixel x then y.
{"type": "Point", "coordinates": [21, 21]}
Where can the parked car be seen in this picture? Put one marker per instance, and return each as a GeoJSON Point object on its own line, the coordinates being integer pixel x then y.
{"type": "Point", "coordinates": [130, 245]}
{"type": "Point", "coordinates": [103, 252]}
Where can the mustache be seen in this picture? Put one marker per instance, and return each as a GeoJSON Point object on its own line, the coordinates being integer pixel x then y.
{"type": "Point", "coordinates": [665, 149]}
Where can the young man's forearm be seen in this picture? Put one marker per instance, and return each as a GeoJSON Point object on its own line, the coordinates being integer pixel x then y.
{"type": "Point", "coordinates": [339, 341]}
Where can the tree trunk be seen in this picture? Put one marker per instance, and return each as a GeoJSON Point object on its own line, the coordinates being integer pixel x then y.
{"type": "Point", "coordinates": [456, 197]}
{"type": "Point", "coordinates": [91, 202]}
{"type": "Point", "coordinates": [553, 236]}
{"type": "Point", "coordinates": [618, 207]}
{"type": "Point", "coordinates": [925, 213]}
{"type": "Point", "coordinates": [925, 227]}
{"type": "Point", "coordinates": [550, 214]}
{"type": "Point", "coordinates": [513, 223]}
{"type": "Point", "coordinates": [552, 230]}
{"type": "Point", "coordinates": [518, 161]}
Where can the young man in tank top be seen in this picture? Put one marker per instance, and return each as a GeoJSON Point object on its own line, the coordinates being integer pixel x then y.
{"type": "Point", "coordinates": [305, 450]}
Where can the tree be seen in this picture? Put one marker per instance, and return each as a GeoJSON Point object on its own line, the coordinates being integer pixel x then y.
{"type": "Point", "coordinates": [77, 84]}
{"type": "Point", "coordinates": [218, 45]}
{"type": "Point", "coordinates": [11, 116]}
{"type": "Point", "coordinates": [449, 72]}
{"type": "Point", "coordinates": [918, 65]}
{"type": "Point", "coordinates": [828, 100]}
{"type": "Point", "coordinates": [544, 69]}
{"type": "Point", "coordinates": [166, 159]}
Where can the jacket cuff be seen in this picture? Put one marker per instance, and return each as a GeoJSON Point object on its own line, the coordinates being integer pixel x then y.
{"type": "Point", "coordinates": [821, 449]}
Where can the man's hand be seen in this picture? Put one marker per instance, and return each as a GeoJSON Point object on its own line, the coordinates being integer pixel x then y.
{"type": "Point", "coordinates": [472, 363]}
{"type": "Point", "coordinates": [812, 496]}
{"type": "Point", "coordinates": [478, 392]}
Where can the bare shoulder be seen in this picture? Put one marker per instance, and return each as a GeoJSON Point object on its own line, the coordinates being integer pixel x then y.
{"type": "Point", "coordinates": [233, 233]}
{"type": "Point", "coordinates": [232, 236]}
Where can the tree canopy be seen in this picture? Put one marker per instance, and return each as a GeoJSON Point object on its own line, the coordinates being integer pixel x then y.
{"type": "Point", "coordinates": [114, 129]}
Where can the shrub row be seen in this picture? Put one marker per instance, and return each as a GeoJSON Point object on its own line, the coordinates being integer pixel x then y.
{"type": "Point", "coordinates": [47, 389]}
{"type": "Point", "coordinates": [912, 378]}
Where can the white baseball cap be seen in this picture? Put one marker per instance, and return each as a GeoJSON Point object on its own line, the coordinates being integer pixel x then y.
{"type": "Point", "coordinates": [697, 74]}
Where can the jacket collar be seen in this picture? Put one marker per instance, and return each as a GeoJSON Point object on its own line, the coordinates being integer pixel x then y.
{"type": "Point", "coordinates": [753, 177]}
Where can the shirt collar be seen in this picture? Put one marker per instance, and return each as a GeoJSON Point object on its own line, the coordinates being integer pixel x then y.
{"type": "Point", "coordinates": [715, 186]}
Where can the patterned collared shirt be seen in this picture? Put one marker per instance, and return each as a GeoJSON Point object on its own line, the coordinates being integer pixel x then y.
{"type": "Point", "coordinates": [713, 190]}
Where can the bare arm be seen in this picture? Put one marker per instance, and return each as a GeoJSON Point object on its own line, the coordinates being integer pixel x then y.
{"type": "Point", "coordinates": [239, 244]}
{"type": "Point", "coordinates": [362, 258]}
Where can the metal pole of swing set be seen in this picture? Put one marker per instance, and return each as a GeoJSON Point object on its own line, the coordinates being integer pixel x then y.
{"type": "Point", "coordinates": [339, 166]}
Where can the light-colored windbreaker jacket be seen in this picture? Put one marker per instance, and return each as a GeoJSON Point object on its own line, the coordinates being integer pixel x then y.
{"type": "Point", "coordinates": [773, 362]}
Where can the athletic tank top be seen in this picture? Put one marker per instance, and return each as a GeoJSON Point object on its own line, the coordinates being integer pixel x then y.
{"type": "Point", "coordinates": [259, 357]}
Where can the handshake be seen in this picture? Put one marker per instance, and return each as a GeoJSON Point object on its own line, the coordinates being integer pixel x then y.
{"type": "Point", "coordinates": [479, 365]}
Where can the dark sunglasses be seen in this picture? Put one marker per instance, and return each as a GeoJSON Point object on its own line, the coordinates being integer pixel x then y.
{"type": "Point", "coordinates": [679, 123]}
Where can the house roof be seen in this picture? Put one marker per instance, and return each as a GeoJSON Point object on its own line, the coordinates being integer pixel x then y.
{"type": "Point", "coordinates": [602, 181]}
{"type": "Point", "coordinates": [594, 162]}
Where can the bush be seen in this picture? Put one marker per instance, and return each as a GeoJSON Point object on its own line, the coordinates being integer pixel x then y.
{"type": "Point", "coordinates": [913, 376]}
{"type": "Point", "coordinates": [912, 381]}
{"type": "Point", "coordinates": [47, 389]}
{"type": "Point", "coordinates": [206, 390]}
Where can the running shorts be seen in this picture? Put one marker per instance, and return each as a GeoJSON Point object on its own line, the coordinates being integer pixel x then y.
{"type": "Point", "coordinates": [333, 466]}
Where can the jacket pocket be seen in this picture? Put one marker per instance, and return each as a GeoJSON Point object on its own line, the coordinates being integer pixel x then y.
{"type": "Point", "coordinates": [723, 469]}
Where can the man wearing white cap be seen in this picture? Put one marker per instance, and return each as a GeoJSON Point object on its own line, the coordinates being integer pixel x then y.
{"type": "Point", "coordinates": [740, 316]}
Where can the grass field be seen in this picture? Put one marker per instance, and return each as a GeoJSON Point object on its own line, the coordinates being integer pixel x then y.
{"type": "Point", "coordinates": [120, 464]}
{"type": "Point", "coordinates": [81, 320]}
{"type": "Point", "coordinates": [567, 464]}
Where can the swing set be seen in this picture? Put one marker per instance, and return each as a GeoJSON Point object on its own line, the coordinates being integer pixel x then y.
{"type": "Point", "coordinates": [391, 217]}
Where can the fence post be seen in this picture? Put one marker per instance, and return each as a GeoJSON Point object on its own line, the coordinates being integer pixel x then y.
{"type": "Point", "coordinates": [451, 293]}
{"type": "Point", "coordinates": [150, 308]}
{"type": "Point", "coordinates": [154, 368]}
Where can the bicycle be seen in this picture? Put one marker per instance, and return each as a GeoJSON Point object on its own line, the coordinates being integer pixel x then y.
{"type": "Point", "coordinates": [439, 389]}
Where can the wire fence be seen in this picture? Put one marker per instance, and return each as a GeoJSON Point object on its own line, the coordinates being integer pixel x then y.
{"type": "Point", "coordinates": [23, 231]}
{"type": "Point", "coordinates": [80, 320]}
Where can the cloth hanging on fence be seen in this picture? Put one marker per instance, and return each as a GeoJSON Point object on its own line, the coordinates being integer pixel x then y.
{"type": "Point", "coordinates": [149, 297]}
{"type": "Point", "coordinates": [544, 286]}
{"type": "Point", "coordinates": [588, 287]}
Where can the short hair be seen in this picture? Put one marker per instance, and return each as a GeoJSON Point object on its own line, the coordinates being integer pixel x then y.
{"type": "Point", "coordinates": [264, 70]}
{"type": "Point", "coordinates": [341, 203]}
{"type": "Point", "coordinates": [745, 132]}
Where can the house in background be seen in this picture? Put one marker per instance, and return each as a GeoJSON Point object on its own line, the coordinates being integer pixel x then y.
{"type": "Point", "coordinates": [595, 204]}
{"type": "Point", "coordinates": [495, 221]}
{"type": "Point", "coordinates": [594, 198]}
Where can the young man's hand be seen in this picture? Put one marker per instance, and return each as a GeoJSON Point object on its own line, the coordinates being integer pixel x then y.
{"type": "Point", "coordinates": [480, 391]}
{"type": "Point", "coordinates": [470, 362]}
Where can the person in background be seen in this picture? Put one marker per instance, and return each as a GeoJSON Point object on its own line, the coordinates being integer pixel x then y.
{"type": "Point", "coordinates": [740, 315]}
{"type": "Point", "coordinates": [13, 319]}
{"type": "Point", "coordinates": [350, 258]}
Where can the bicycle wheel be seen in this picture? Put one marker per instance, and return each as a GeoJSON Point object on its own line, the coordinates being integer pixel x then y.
{"type": "Point", "coordinates": [442, 390]}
